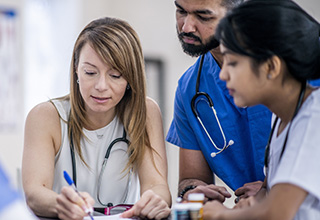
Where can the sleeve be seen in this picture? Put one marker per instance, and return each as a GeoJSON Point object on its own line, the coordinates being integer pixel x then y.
{"type": "Point", "coordinates": [302, 154]}
{"type": "Point", "coordinates": [16, 211]}
{"type": "Point", "coordinates": [180, 132]}
{"type": "Point", "coordinates": [7, 193]}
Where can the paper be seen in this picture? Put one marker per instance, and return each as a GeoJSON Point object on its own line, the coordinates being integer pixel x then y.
{"type": "Point", "coordinates": [107, 217]}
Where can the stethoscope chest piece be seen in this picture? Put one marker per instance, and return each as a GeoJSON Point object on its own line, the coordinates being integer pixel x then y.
{"type": "Point", "coordinates": [210, 103]}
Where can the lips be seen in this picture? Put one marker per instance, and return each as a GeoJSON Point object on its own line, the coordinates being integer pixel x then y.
{"type": "Point", "coordinates": [189, 40]}
{"type": "Point", "coordinates": [231, 91]}
{"type": "Point", "coordinates": [100, 99]}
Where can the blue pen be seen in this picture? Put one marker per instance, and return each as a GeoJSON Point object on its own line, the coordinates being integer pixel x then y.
{"type": "Point", "coordinates": [71, 183]}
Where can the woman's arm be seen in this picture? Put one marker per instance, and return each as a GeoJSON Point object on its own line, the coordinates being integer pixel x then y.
{"type": "Point", "coordinates": [282, 202]}
{"type": "Point", "coordinates": [155, 195]}
{"type": "Point", "coordinates": [41, 142]}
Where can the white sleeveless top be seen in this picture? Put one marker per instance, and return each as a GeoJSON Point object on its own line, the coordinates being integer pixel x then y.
{"type": "Point", "coordinates": [114, 182]}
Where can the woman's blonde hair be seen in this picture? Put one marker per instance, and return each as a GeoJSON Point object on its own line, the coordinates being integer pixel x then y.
{"type": "Point", "coordinates": [119, 46]}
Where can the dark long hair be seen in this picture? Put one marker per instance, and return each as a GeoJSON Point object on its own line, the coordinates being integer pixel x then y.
{"type": "Point", "coordinates": [260, 29]}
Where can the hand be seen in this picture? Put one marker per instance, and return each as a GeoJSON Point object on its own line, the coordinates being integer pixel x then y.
{"type": "Point", "coordinates": [150, 206]}
{"type": "Point", "coordinates": [246, 202]}
{"type": "Point", "coordinates": [248, 189]}
{"type": "Point", "coordinates": [213, 209]}
{"type": "Point", "coordinates": [71, 205]}
{"type": "Point", "coordinates": [211, 192]}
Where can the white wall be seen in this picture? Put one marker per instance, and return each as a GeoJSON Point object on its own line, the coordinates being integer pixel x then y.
{"type": "Point", "coordinates": [155, 23]}
{"type": "Point", "coordinates": [12, 140]}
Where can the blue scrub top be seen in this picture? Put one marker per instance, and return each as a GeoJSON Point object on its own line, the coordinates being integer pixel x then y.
{"type": "Point", "coordinates": [7, 193]}
{"type": "Point", "coordinates": [248, 127]}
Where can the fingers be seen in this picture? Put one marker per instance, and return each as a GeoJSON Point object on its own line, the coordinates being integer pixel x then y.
{"type": "Point", "coordinates": [248, 189]}
{"type": "Point", "coordinates": [240, 191]}
{"type": "Point", "coordinates": [72, 206]}
{"type": "Point", "coordinates": [68, 210]}
{"type": "Point", "coordinates": [245, 202]}
{"type": "Point", "coordinates": [212, 209]}
{"type": "Point", "coordinates": [149, 206]}
{"type": "Point", "coordinates": [128, 214]}
{"type": "Point", "coordinates": [89, 201]}
{"type": "Point", "coordinates": [212, 192]}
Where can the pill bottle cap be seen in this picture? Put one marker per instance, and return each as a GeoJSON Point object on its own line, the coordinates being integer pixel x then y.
{"type": "Point", "coordinates": [195, 197]}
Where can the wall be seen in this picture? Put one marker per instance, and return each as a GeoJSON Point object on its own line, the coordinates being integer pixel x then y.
{"type": "Point", "coordinates": [311, 6]}
{"type": "Point", "coordinates": [11, 140]}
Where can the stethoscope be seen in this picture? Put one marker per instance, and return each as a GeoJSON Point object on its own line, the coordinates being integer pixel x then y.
{"type": "Point", "coordinates": [210, 103]}
{"type": "Point", "coordinates": [106, 157]}
{"type": "Point", "coordinates": [267, 151]}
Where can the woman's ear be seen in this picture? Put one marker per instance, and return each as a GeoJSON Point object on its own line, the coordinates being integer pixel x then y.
{"type": "Point", "coordinates": [273, 67]}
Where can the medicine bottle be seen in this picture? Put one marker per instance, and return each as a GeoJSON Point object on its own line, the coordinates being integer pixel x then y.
{"type": "Point", "coordinates": [180, 211]}
{"type": "Point", "coordinates": [195, 211]}
{"type": "Point", "coordinates": [196, 197]}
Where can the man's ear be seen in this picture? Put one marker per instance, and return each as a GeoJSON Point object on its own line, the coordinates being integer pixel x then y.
{"type": "Point", "coordinates": [272, 67]}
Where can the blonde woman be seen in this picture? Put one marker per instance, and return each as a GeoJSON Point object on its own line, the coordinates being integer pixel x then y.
{"type": "Point", "coordinates": [107, 134]}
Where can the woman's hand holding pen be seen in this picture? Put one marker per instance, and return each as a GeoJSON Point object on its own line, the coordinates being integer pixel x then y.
{"type": "Point", "coordinates": [150, 206]}
{"type": "Point", "coordinates": [73, 206]}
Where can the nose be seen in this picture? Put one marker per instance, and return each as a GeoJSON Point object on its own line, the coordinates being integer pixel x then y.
{"type": "Point", "coordinates": [101, 83]}
{"type": "Point", "coordinates": [188, 24]}
{"type": "Point", "coordinates": [224, 73]}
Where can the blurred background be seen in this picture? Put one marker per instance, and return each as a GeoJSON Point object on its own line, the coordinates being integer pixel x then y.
{"type": "Point", "coordinates": [36, 42]}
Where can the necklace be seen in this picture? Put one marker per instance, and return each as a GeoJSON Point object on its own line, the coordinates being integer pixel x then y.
{"type": "Point", "coordinates": [99, 136]}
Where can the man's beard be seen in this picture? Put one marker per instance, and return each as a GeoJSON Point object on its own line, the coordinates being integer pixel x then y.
{"type": "Point", "coordinates": [197, 50]}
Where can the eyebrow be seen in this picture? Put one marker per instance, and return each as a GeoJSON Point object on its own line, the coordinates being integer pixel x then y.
{"type": "Point", "coordinates": [201, 11]}
{"type": "Point", "coordinates": [87, 63]}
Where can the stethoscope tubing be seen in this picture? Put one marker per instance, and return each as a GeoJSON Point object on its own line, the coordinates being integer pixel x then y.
{"type": "Point", "coordinates": [210, 103]}
{"type": "Point", "coordinates": [105, 160]}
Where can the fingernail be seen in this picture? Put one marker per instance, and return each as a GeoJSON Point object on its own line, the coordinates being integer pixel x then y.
{"type": "Point", "coordinates": [86, 209]}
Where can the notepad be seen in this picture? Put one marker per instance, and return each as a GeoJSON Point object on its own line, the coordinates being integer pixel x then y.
{"type": "Point", "coordinates": [107, 217]}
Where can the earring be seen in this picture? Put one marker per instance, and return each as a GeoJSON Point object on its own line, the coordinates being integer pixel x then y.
{"type": "Point", "coordinates": [269, 76]}
{"type": "Point", "coordinates": [128, 86]}
{"type": "Point", "coordinates": [78, 81]}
